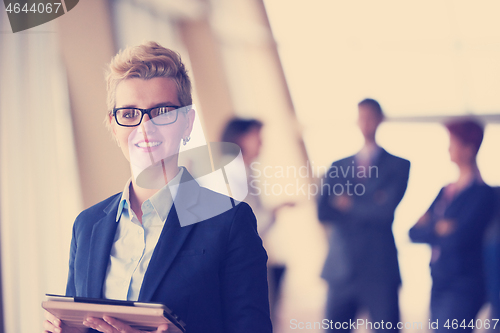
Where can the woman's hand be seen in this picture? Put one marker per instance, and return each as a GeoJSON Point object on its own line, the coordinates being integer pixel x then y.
{"type": "Point", "coordinates": [445, 227]}
{"type": "Point", "coordinates": [54, 325]}
{"type": "Point", "coordinates": [342, 203]}
{"type": "Point", "coordinates": [112, 325]}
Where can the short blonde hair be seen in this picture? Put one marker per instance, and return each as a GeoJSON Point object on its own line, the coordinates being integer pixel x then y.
{"type": "Point", "coordinates": [147, 61]}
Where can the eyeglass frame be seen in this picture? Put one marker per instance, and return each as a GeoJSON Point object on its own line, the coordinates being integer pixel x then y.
{"type": "Point", "coordinates": [148, 112]}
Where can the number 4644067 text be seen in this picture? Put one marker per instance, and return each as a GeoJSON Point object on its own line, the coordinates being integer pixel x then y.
{"type": "Point", "coordinates": [41, 7]}
{"type": "Point", "coordinates": [474, 324]}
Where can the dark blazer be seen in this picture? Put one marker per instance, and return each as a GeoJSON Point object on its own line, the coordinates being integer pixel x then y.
{"type": "Point", "coordinates": [460, 261]}
{"type": "Point", "coordinates": [211, 273]}
{"type": "Point", "coordinates": [362, 245]}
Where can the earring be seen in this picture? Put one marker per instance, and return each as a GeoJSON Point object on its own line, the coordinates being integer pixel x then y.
{"type": "Point", "coordinates": [186, 140]}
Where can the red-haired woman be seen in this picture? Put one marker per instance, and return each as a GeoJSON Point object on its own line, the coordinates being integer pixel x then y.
{"type": "Point", "coordinates": [454, 227]}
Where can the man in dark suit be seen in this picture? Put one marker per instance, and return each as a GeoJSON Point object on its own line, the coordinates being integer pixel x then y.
{"type": "Point", "coordinates": [359, 196]}
{"type": "Point", "coordinates": [165, 239]}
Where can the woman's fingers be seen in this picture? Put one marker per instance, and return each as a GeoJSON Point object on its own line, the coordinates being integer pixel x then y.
{"type": "Point", "coordinates": [162, 328]}
{"type": "Point", "coordinates": [99, 325]}
{"type": "Point", "coordinates": [109, 325]}
{"type": "Point", "coordinates": [119, 325]}
{"type": "Point", "coordinates": [52, 324]}
{"type": "Point", "coordinates": [112, 325]}
{"type": "Point", "coordinates": [49, 327]}
{"type": "Point", "coordinates": [53, 319]}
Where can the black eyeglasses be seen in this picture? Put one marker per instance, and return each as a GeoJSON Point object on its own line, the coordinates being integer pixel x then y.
{"type": "Point", "coordinates": [159, 115]}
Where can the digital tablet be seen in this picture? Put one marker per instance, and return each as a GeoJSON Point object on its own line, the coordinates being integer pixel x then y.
{"type": "Point", "coordinates": [143, 316]}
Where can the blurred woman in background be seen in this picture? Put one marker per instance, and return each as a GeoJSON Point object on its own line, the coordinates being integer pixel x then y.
{"type": "Point", "coordinates": [454, 227]}
{"type": "Point", "coordinates": [246, 133]}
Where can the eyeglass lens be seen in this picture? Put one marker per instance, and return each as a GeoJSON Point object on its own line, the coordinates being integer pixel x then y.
{"type": "Point", "coordinates": [160, 116]}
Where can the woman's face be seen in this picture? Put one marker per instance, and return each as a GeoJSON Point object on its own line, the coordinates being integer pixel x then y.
{"type": "Point", "coordinates": [148, 142]}
{"type": "Point", "coordinates": [460, 153]}
{"type": "Point", "coordinates": [250, 144]}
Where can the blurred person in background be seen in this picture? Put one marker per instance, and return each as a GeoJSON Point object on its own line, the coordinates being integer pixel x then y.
{"type": "Point", "coordinates": [492, 261]}
{"type": "Point", "coordinates": [359, 196]}
{"type": "Point", "coordinates": [454, 226]}
{"type": "Point", "coordinates": [246, 133]}
{"type": "Point", "coordinates": [165, 243]}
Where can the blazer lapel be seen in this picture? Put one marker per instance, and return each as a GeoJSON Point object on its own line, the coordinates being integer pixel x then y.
{"type": "Point", "coordinates": [172, 237]}
{"type": "Point", "coordinates": [380, 163]}
{"type": "Point", "coordinates": [101, 241]}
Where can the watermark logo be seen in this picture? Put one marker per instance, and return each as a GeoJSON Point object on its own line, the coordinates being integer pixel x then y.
{"type": "Point", "coordinates": [26, 14]}
{"type": "Point", "coordinates": [154, 153]}
{"type": "Point", "coordinates": [338, 181]}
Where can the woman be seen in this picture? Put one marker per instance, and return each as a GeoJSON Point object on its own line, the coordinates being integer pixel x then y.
{"type": "Point", "coordinates": [246, 133]}
{"type": "Point", "coordinates": [454, 226]}
{"type": "Point", "coordinates": [165, 239]}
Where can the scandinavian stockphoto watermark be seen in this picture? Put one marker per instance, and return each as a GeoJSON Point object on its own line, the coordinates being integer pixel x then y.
{"type": "Point", "coordinates": [289, 180]}
{"type": "Point", "coordinates": [26, 14]}
{"type": "Point", "coordinates": [217, 166]}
